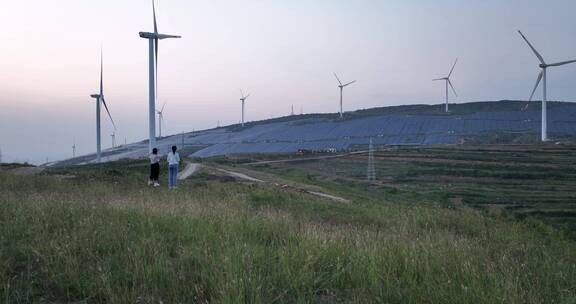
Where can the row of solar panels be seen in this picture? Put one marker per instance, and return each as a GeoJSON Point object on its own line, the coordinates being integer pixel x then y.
{"type": "Point", "coordinates": [388, 129]}
{"type": "Point", "coordinates": [337, 145]}
{"type": "Point", "coordinates": [322, 134]}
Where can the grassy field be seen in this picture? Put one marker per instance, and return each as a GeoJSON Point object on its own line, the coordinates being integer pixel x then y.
{"type": "Point", "coordinates": [97, 234]}
{"type": "Point", "coordinates": [522, 181]}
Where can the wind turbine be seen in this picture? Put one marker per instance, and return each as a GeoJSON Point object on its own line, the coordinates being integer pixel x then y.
{"type": "Point", "coordinates": [153, 39]}
{"type": "Point", "coordinates": [74, 148]}
{"type": "Point", "coordinates": [161, 119]}
{"type": "Point", "coordinates": [542, 77]}
{"type": "Point", "coordinates": [100, 98]}
{"type": "Point", "coordinates": [243, 99]}
{"type": "Point", "coordinates": [342, 86]}
{"type": "Point", "coordinates": [113, 136]}
{"type": "Point", "coordinates": [448, 82]}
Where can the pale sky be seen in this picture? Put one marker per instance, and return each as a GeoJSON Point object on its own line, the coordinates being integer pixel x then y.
{"type": "Point", "coordinates": [283, 52]}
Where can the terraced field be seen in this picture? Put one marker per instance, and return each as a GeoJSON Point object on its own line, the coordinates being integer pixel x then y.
{"type": "Point", "coordinates": [522, 181]}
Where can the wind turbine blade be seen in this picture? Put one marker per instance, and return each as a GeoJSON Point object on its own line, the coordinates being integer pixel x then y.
{"type": "Point", "coordinates": [536, 86]}
{"type": "Point", "coordinates": [438, 79]}
{"type": "Point", "coordinates": [242, 93]}
{"type": "Point", "coordinates": [108, 111]}
{"type": "Point", "coordinates": [247, 96]}
{"type": "Point", "coordinates": [162, 111]}
{"type": "Point", "coordinates": [562, 63]}
{"type": "Point", "coordinates": [453, 90]}
{"type": "Point", "coordinates": [154, 12]}
{"type": "Point", "coordinates": [164, 36]}
{"type": "Point", "coordinates": [351, 82]}
{"type": "Point", "coordinates": [340, 82]}
{"type": "Point", "coordinates": [453, 66]}
{"type": "Point", "coordinates": [533, 49]}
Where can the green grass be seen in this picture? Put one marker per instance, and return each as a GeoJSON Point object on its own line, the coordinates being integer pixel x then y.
{"type": "Point", "coordinates": [10, 166]}
{"type": "Point", "coordinates": [536, 181]}
{"type": "Point", "coordinates": [104, 237]}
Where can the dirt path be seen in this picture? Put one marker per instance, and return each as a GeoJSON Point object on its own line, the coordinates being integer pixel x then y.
{"type": "Point", "coordinates": [300, 189]}
{"type": "Point", "coordinates": [241, 176]}
{"type": "Point", "coordinates": [190, 169]}
{"type": "Point", "coordinates": [328, 196]}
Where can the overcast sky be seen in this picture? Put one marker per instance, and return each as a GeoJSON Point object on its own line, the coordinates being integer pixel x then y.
{"type": "Point", "coordinates": [281, 51]}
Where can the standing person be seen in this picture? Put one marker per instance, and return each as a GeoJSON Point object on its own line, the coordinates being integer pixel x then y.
{"type": "Point", "coordinates": [154, 168]}
{"type": "Point", "coordinates": [173, 162]}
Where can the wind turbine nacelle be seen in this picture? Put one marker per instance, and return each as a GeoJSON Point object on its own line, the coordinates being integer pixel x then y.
{"type": "Point", "coordinates": [95, 96]}
{"type": "Point", "coordinates": [147, 35]}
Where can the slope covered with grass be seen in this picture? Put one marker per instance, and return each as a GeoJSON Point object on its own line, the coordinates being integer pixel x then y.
{"type": "Point", "coordinates": [104, 237]}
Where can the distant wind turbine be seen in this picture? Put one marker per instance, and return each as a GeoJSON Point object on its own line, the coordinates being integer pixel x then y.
{"type": "Point", "coordinates": [100, 98]}
{"type": "Point", "coordinates": [73, 148]}
{"type": "Point", "coordinates": [153, 39]}
{"type": "Point", "coordinates": [161, 119]}
{"type": "Point", "coordinates": [542, 77]}
{"type": "Point", "coordinates": [448, 82]}
{"type": "Point", "coordinates": [243, 99]}
{"type": "Point", "coordinates": [342, 86]}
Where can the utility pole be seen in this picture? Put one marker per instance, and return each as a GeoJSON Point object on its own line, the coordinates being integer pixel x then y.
{"type": "Point", "coordinates": [371, 174]}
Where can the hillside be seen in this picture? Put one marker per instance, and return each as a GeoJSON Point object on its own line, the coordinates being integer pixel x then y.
{"type": "Point", "coordinates": [501, 122]}
{"type": "Point", "coordinates": [98, 234]}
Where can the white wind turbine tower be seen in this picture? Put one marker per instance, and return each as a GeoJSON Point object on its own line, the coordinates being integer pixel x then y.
{"type": "Point", "coordinates": [160, 119]}
{"type": "Point", "coordinates": [448, 82]}
{"type": "Point", "coordinates": [113, 136]}
{"type": "Point", "coordinates": [243, 99]}
{"type": "Point", "coordinates": [100, 98]}
{"type": "Point", "coordinates": [74, 148]}
{"type": "Point", "coordinates": [542, 77]}
{"type": "Point", "coordinates": [342, 86]}
{"type": "Point", "coordinates": [153, 39]}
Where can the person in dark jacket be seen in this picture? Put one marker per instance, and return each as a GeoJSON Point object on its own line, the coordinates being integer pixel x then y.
{"type": "Point", "coordinates": [154, 168]}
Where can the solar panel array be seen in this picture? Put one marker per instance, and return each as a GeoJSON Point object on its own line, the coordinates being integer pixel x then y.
{"type": "Point", "coordinates": [392, 129]}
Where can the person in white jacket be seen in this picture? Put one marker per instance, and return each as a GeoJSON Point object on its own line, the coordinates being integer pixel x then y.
{"type": "Point", "coordinates": [173, 162]}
